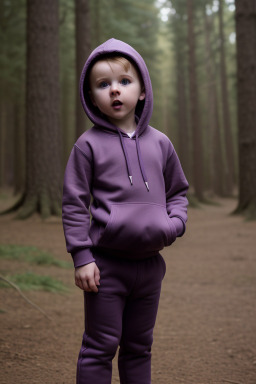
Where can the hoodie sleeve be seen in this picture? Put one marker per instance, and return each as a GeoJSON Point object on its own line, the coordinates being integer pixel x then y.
{"type": "Point", "coordinates": [75, 207]}
{"type": "Point", "coordinates": [176, 187]}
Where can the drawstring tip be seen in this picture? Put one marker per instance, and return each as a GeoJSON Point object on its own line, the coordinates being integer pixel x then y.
{"type": "Point", "coordinates": [146, 183]}
{"type": "Point", "coordinates": [130, 177]}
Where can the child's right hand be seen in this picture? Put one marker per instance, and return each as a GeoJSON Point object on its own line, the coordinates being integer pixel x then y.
{"type": "Point", "coordinates": [87, 277]}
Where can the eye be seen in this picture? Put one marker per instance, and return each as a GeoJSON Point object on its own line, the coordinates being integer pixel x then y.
{"type": "Point", "coordinates": [103, 84]}
{"type": "Point", "coordinates": [125, 81]}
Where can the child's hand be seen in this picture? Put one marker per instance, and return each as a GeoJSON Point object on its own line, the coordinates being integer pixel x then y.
{"type": "Point", "coordinates": [87, 277]}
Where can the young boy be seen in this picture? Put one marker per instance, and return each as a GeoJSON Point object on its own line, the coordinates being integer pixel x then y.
{"type": "Point", "coordinates": [138, 206]}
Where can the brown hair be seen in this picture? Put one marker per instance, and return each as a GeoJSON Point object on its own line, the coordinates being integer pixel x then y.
{"type": "Point", "coordinates": [120, 60]}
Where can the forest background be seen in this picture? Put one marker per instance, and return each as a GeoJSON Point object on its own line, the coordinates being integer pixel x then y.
{"type": "Point", "coordinates": [204, 97]}
{"type": "Point", "coordinates": [201, 55]}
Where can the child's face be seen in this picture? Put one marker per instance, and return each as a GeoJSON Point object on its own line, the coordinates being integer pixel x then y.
{"type": "Point", "coordinates": [116, 91]}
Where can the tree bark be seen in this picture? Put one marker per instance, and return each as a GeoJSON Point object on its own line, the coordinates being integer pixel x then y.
{"type": "Point", "coordinates": [2, 142]}
{"type": "Point", "coordinates": [230, 172]}
{"type": "Point", "coordinates": [9, 144]}
{"type": "Point", "coordinates": [7, 147]}
{"type": "Point", "coordinates": [213, 121]}
{"type": "Point", "coordinates": [43, 135]}
{"type": "Point", "coordinates": [19, 149]}
{"type": "Point", "coordinates": [183, 133]}
{"type": "Point", "coordinates": [83, 48]}
{"type": "Point", "coordinates": [97, 17]}
{"type": "Point", "coordinates": [246, 86]}
{"type": "Point", "coordinates": [194, 114]}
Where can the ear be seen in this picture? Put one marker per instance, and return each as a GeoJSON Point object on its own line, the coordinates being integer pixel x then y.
{"type": "Point", "coordinates": [92, 98]}
{"type": "Point", "coordinates": [142, 95]}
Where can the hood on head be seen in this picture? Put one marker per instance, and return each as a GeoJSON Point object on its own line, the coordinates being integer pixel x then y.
{"type": "Point", "coordinates": [144, 108]}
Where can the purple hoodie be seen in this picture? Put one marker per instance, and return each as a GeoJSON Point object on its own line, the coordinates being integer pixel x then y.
{"type": "Point", "coordinates": [126, 196]}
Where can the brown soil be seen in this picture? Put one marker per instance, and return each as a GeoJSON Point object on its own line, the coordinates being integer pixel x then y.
{"type": "Point", "coordinates": [206, 326]}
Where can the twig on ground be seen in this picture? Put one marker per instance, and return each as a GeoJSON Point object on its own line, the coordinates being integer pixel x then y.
{"type": "Point", "coordinates": [231, 381]}
{"type": "Point", "coordinates": [24, 297]}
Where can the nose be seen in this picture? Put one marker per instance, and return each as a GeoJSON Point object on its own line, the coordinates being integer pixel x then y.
{"type": "Point", "coordinates": [114, 89]}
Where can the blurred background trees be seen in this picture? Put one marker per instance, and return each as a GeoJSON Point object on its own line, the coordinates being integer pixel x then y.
{"type": "Point", "coordinates": [190, 49]}
{"type": "Point", "coordinates": [246, 85]}
{"type": "Point", "coordinates": [43, 134]}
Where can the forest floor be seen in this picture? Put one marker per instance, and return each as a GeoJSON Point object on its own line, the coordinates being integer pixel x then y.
{"type": "Point", "coordinates": [206, 326]}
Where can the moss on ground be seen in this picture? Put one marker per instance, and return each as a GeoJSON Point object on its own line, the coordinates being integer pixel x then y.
{"type": "Point", "coordinates": [30, 254]}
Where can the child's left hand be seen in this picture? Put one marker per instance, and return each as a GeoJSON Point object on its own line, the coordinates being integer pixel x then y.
{"type": "Point", "coordinates": [87, 277]}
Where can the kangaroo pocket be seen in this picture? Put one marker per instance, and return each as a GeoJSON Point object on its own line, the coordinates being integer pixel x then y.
{"type": "Point", "coordinates": [138, 226]}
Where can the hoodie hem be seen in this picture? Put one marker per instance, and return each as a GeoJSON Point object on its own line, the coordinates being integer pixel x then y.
{"type": "Point", "coordinates": [124, 254]}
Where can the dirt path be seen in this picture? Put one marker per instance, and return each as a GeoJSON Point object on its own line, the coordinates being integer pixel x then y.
{"type": "Point", "coordinates": [206, 326]}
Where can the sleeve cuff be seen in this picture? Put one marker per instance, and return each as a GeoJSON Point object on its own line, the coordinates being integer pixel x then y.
{"type": "Point", "coordinates": [179, 225]}
{"type": "Point", "coordinates": [82, 257]}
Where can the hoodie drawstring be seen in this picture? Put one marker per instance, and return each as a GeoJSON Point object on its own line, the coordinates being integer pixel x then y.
{"type": "Point", "coordinates": [142, 169]}
{"type": "Point", "coordinates": [128, 165]}
{"type": "Point", "coordinates": [126, 157]}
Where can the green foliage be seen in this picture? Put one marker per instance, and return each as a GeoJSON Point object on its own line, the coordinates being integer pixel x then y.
{"type": "Point", "coordinates": [137, 23]}
{"type": "Point", "coordinates": [176, 32]}
{"type": "Point", "coordinates": [31, 282]}
{"type": "Point", "coordinates": [30, 254]}
{"type": "Point", "coordinates": [12, 37]}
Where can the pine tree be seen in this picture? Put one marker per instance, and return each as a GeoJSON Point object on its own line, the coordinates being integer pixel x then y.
{"type": "Point", "coordinates": [246, 73]}
{"type": "Point", "coordinates": [12, 90]}
{"type": "Point", "coordinates": [215, 157]}
{"type": "Point", "coordinates": [83, 48]}
{"type": "Point", "coordinates": [198, 179]}
{"type": "Point", "coordinates": [43, 135]}
{"type": "Point", "coordinates": [230, 173]}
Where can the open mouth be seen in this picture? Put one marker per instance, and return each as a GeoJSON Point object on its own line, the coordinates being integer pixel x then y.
{"type": "Point", "coordinates": [117, 104]}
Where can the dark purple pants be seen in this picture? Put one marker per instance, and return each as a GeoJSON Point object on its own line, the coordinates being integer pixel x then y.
{"type": "Point", "coordinates": [122, 313]}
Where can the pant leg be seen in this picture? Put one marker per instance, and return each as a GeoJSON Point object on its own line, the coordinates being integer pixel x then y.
{"type": "Point", "coordinates": [139, 318]}
{"type": "Point", "coordinates": [103, 319]}
{"type": "Point", "coordinates": [103, 327]}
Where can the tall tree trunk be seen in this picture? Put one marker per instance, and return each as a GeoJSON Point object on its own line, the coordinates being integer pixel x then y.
{"type": "Point", "coordinates": [214, 137]}
{"type": "Point", "coordinates": [7, 147]}
{"type": "Point", "coordinates": [246, 73]}
{"type": "Point", "coordinates": [97, 14]}
{"type": "Point", "coordinates": [9, 144]}
{"type": "Point", "coordinates": [19, 149]}
{"type": "Point", "coordinates": [194, 114]}
{"type": "Point", "coordinates": [68, 118]}
{"type": "Point", "coordinates": [43, 135]}
{"type": "Point", "coordinates": [230, 172]}
{"type": "Point", "coordinates": [2, 141]}
{"type": "Point", "coordinates": [83, 47]}
{"type": "Point", "coordinates": [183, 134]}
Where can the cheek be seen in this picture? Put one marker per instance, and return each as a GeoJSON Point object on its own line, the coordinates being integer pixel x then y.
{"type": "Point", "coordinates": [99, 98]}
